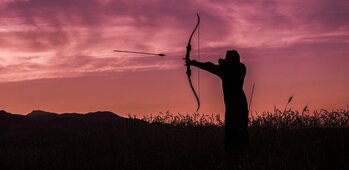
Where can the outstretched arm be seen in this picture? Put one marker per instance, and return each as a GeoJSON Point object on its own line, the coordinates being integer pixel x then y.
{"type": "Point", "coordinates": [208, 66]}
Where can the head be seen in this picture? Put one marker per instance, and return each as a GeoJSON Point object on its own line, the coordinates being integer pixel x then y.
{"type": "Point", "coordinates": [232, 56]}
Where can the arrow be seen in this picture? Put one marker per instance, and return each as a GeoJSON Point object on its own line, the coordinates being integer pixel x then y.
{"type": "Point", "coordinates": [136, 52]}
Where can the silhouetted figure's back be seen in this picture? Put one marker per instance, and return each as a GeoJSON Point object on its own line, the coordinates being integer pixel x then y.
{"type": "Point", "coordinates": [232, 73]}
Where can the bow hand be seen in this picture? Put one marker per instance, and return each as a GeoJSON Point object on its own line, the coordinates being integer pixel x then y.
{"type": "Point", "coordinates": [188, 62]}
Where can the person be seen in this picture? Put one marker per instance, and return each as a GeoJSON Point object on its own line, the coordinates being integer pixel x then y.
{"type": "Point", "coordinates": [232, 73]}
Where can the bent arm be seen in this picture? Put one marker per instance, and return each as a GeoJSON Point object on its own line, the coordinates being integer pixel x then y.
{"type": "Point", "coordinates": [208, 66]}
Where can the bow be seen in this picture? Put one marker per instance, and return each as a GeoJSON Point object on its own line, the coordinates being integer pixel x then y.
{"type": "Point", "coordinates": [187, 58]}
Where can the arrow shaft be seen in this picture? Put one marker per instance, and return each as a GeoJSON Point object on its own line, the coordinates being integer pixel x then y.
{"type": "Point", "coordinates": [137, 52]}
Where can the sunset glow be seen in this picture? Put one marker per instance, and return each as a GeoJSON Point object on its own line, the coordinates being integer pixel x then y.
{"type": "Point", "coordinates": [58, 55]}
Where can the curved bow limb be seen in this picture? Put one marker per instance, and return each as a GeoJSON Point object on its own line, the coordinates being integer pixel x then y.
{"type": "Point", "coordinates": [187, 58]}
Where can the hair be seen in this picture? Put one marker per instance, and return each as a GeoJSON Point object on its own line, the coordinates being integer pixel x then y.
{"type": "Point", "coordinates": [232, 55]}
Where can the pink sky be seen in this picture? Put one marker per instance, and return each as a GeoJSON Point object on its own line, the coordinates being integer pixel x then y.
{"type": "Point", "coordinates": [58, 55]}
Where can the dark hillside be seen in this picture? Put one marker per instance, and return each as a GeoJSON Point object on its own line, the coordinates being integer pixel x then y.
{"type": "Point", "coordinates": [103, 140]}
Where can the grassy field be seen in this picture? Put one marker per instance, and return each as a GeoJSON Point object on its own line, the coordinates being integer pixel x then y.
{"type": "Point", "coordinates": [279, 140]}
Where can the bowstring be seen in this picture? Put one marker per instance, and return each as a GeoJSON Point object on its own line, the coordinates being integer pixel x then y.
{"type": "Point", "coordinates": [198, 60]}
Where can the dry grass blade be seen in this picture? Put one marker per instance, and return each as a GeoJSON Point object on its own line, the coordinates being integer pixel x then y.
{"type": "Point", "coordinates": [288, 102]}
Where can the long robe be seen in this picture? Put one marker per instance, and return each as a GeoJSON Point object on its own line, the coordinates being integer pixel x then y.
{"type": "Point", "coordinates": [236, 108]}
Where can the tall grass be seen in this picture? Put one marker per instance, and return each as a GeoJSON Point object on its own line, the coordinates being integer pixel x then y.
{"type": "Point", "coordinates": [290, 119]}
{"type": "Point", "coordinates": [185, 120]}
{"type": "Point", "coordinates": [293, 119]}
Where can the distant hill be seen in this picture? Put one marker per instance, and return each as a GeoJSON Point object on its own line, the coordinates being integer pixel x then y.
{"type": "Point", "coordinates": [99, 116]}
{"type": "Point", "coordinates": [40, 122]}
{"type": "Point", "coordinates": [40, 115]}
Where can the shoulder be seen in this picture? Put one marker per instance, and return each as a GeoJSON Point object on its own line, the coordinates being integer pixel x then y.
{"type": "Point", "coordinates": [243, 68]}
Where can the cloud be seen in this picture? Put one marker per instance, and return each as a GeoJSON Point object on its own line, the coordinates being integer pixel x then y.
{"type": "Point", "coordinates": [76, 37]}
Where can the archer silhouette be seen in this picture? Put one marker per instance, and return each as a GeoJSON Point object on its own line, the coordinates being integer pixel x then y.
{"type": "Point", "coordinates": [232, 73]}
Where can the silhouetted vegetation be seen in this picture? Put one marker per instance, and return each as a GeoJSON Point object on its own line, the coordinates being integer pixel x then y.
{"type": "Point", "coordinates": [280, 140]}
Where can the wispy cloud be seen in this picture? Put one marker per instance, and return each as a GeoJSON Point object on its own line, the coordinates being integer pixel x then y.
{"type": "Point", "coordinates": [48, 39]}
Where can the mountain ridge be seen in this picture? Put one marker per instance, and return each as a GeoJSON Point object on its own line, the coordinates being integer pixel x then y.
{"type": "Point", "coordinates": [41, 123]}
